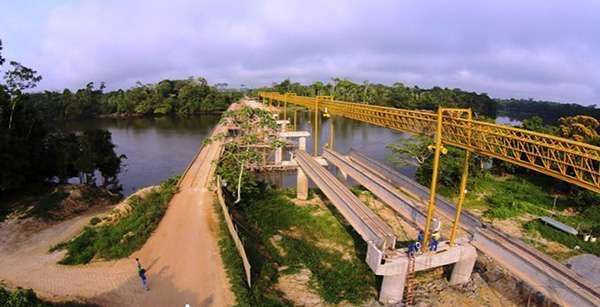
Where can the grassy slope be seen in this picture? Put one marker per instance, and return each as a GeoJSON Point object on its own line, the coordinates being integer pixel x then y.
{"type": "Point", "coordinates": [309, 237]}
{"type": "Point", "coordinates": [513, 197]}
{"type": "Point", "coordinates": [127, 235]}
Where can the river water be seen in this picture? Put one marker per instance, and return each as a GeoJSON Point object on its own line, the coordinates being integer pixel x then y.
{"type": "Point", "coordinates": [158, 148]}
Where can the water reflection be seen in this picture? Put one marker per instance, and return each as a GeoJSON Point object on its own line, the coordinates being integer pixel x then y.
{"type": "Point", "coordinates": [157, 148]}
{"type": "Point", "coordinates": [349, 134]}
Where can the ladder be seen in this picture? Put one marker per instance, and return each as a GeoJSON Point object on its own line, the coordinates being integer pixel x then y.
{"type": "Point", "coordinates": [410, 282]}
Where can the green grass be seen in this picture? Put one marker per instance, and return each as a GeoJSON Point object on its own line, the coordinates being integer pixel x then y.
{"type": "Point", "coordinates": [569, 240]}
{"type": "Point", "coordinates": [48, 203]}
{"type": "Point", "coordinates": [27, 298]}
{"type": "Point", "coordinates": [311, 237]}
{"type": "Point", "coordinates": [508, 198]}
{"type": "Point", "coordinates": [128, 234]}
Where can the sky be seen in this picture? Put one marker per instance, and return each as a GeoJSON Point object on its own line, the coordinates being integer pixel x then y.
{"type": "Point", "coordinates": [547, 50]}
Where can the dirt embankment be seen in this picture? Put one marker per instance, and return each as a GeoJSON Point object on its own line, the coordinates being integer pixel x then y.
{"type": "Point", "coordinates": [181, 257]}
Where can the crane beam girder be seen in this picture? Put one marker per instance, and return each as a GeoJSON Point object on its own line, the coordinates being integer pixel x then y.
{"type": "Point", "coordinates": [568, 160]}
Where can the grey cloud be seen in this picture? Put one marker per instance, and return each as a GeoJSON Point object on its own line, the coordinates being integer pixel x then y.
{"type": "Point", "coordinates": [505, 48]}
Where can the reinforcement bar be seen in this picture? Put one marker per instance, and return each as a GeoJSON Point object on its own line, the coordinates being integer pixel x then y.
{"type": "Point", "coordinates": [571, 161]}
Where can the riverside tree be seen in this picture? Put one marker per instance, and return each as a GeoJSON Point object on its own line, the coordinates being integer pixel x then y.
{"type": "Point", "coordinates": [32, 151]}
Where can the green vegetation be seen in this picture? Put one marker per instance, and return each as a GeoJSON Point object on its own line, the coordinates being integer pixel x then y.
{"type": "Point", "coordinates": [549, 111]}
{"type": "Point", "coordinates": [509, 197]}
{"type": "Point", "coordinates": [397, 95]}
{"type": "Point", "coordinates": [28, 298]}
{"type": "Point", "coordinates": [167, 97]}
{"type": "Point", "coordinates": [126, 235]}
{"type": "Point", "coordinates": [48, 203]}
{"type": "Point", "coordinates": [310, 237]}
{"type": "Point", "coordinates": [569, 240]}
{"type": "Point", "coordinates": [241, 156]}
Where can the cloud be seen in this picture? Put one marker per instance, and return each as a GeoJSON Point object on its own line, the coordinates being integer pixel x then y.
{"type": "Point", "coordinates": [507, 48]}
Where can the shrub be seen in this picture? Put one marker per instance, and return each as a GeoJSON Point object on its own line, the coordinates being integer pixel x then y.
{"type": "Point", "coordinates": [569, 240]}
{"type": "Point", "coordinates": [95, 220]}
{"type": "Point", "coordinates": [128, 234]}
{"type": "Point", "coordinates": [28, 298]}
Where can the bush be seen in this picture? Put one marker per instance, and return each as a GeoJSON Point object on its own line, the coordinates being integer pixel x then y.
{"type": "Point", "coordinates": [569, 240]}
{"type": "Point", "coordinates": [28, 298]}
{"type": "Point", "coordinates": [95, 220]}
{"type": "Point", "coordinates": [513, 197]}
{"type": "Point", "coordinates": [127, 235]}
{"type": "Point", "coordinates": [48, 203]}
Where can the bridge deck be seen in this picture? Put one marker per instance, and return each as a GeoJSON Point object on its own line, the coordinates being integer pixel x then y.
{"type": "Point", "coordinates": [370, 226]}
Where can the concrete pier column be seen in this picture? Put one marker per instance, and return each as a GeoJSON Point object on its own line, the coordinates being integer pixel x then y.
{"type": "Point", "coordinates": [344, 174]}
{"type": "Point", "coordinates": [461, 273]}
{"type": "Point", "coordinates": [278, 155]}
{"type": "Point", "coordinates": [302, 185]}
{"type": "Point", "coordinates": [392, 288]}
{"type": "Point", "coordinates": [302, 143]}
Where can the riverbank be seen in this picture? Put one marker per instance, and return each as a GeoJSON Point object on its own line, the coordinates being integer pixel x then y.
{"type": "Point", "coordinates": [178, 274]}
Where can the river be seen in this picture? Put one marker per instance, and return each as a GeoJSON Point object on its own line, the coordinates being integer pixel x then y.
{"type": "Point", "coordinates": [157, 148]}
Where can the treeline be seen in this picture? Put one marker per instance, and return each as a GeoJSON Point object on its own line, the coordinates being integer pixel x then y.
{"type": "Point", "coordinates": [550, 112]}
{"type": "Point", "coordinates": [397, 95]}
{"type": "Point", "coordinates": [167, 97]}
{"type": "Point", "coordinates": [32, 151]}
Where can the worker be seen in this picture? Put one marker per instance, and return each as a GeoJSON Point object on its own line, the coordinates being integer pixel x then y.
{"type": "Point", "coordinates": [418, 247]}
{"type": "Point", "coordinates": [412, 249]}
{"type": "Point", "coordinates": [433, 244]}
{"type": "Point", "coordinates": [436, 235]}
{"type": "Point", "coordinates": [420, 236]}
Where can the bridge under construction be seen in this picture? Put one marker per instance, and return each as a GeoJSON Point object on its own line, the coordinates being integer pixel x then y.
{"type": "Point", "coordinates": [570, 161]}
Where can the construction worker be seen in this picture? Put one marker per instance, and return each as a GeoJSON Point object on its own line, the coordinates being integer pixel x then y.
{"type": "Point", "coordinates": [433, 244]}
{"type": "Point", "coordinates": [436, 235]}
{"type": "Point", "coordinates": [420, 236]}
{"type": "Point", "coordinates": [412, 249]}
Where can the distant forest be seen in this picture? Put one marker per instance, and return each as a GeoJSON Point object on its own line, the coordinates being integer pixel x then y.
{"type": "Point", "coordinates": [397, 95]}
{"type": "Point", "coordinates": [550, 112]}
{"type": "Point", "coordinates": [413, 97]}
{"type": "Point", "coordinates": [167, 97]}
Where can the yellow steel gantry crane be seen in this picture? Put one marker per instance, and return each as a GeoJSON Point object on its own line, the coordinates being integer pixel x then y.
{"type": "Point", "coordinates": [568, 160]}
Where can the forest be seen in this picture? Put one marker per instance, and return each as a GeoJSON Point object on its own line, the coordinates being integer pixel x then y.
{"type": "Point", "coordinates": [397, 95]}
{"type": "Point", "coordinates": [550, 112]}
{"type": "Point", "coordinates": [167, 97]}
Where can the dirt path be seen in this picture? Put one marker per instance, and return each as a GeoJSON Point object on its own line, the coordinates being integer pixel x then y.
{"type": "Point", "coordinates": [182, 256]}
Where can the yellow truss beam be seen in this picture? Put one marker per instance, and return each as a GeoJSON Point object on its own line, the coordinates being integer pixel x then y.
{"type": "Point", "coordinates": [571, 161]}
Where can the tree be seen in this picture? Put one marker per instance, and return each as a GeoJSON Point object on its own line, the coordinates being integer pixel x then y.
{"type": "Point", "coordinates": [581, 128]}
{"type": "Point", "coordinates": [411, 151]}
{"type": "Point", "coordinates": [18, 79]}
{"type": "Point", "coordinates": [1, 58]}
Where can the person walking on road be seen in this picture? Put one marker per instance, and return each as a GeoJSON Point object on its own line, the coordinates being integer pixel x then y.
{"type": "Point", "coordinates": [142, 274]}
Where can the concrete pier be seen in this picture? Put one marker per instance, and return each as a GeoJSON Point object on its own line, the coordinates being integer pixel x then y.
{"type": "Point", "coordinates": [302, 185]}
{"type": "Point", "coordinates": [395, 267]}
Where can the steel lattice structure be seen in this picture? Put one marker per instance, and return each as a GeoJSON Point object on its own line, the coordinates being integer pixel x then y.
{"type": "Point", "coordinates": [568, 160]}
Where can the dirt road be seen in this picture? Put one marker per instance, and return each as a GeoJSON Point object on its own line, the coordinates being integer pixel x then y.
{"type": "Point", "coordinates": [182, 256]}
